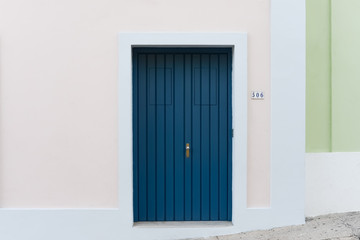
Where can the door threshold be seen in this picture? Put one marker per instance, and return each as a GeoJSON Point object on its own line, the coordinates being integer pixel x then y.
{"type": "Point", "coordinates": [183, 224]}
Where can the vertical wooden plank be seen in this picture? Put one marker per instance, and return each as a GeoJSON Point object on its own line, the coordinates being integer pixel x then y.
{"type": "Point", "coordinates": [160, 135]}
{"type": "Point", "coordinates": [169, 151]}
{"type": "Point", "coordinates": [151, 137]}
{"type": "Point", "coordinates": [214, 139]}
{"type": "Point", "coordinates": [223, 129]}
{"type": "Point", "coordinates": [196, 144]}
{"type": "Point", "coordinates": [179, 136]}
{"type": "Point", "coordinates": [135, 139]}
{"type": "Point", "coordinates": [229, 130]}
{"type": "Point", "coordinates": [205, 138]}
{"type": "Point", "coordinates": [188, 133]}
{"type": "Point", "coordinates": [142, 137]}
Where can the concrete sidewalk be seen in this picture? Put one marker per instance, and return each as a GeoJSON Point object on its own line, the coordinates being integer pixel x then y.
{"type": "Point", "coordinates": [344, 226]}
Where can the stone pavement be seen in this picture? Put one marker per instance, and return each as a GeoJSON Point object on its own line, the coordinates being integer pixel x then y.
{"type": "Point", "coordinates": [344, 226]}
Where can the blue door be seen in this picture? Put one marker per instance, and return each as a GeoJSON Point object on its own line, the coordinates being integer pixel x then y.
{"type": "Point", "coordinates": [182, 134]}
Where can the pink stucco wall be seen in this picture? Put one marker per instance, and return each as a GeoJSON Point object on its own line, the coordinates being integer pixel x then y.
{"type": "Point", "coordinates": [58, 98]}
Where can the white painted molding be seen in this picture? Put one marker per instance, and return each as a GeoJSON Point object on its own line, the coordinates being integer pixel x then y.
{"type": "Point", "coordinates": [288, 76]}
{"type": "Point", "coordinates": [332, 183]}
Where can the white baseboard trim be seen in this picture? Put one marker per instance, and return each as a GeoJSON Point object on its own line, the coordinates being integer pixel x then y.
{"type": "Point", "coordinates": [332, 183]}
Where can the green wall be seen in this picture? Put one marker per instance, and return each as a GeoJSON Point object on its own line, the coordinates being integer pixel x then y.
{"type": "Point", "coordinates": [333, 76]}
{"type": "Point", "coordinates": [318, 111]}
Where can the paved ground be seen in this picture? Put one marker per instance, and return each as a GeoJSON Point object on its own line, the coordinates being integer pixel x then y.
{"type": "Point", "coordinates": [345, 226]}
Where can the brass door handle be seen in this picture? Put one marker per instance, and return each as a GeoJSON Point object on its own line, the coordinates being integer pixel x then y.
{"type": "Point", "coordinates": [187, 150]}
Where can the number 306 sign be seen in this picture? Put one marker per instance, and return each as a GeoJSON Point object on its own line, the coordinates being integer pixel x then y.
{"type": "Point", "coordinates": [257, 95]}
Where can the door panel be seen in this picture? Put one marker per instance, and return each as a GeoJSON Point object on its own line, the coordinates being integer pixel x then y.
{"type": "Point", "coordinates": [142, 140]}
{"type": "Point", "coordinates": [224, 185]}
{"type": "Point", "coordinates": [182, 96]}
{"type": "Point", "coordinates": [188, 182]}
{"type": "Point", "coordinates": [179, 144]}
{"type": "Point", "coordinates": [214, 140]}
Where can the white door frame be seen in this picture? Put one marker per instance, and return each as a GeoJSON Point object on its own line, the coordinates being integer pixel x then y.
{"type": "Point", "coordinates": [238, 42]}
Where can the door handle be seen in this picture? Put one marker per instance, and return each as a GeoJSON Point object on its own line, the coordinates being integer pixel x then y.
{"type": "Point", "coordinates": [187, 150]}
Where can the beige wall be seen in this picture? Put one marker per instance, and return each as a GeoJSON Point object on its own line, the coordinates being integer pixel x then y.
{"type": "Point", "coordinates": [58, 98]}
